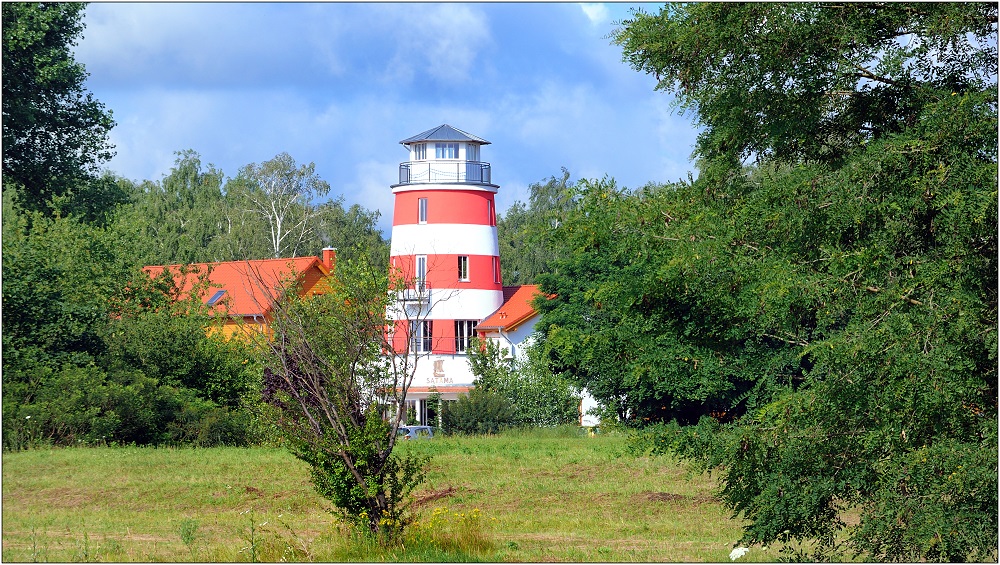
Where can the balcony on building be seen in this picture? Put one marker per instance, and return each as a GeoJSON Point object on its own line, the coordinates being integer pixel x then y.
{"type": "Point", "coordinates": [417, 172]}
{"type": "Point", "coordinates": [444, 155]}
{"type": "Point", "coordinates": [417, 291]}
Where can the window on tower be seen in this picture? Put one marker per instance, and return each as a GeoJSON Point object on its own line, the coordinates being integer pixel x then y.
{"type": "Point", "coordinates": [421, 336]}
{"type": "Point", "coordinates": [422, 210]}
{"type": "Point", "coordinates": [465, 330]}
{"type": "Point", "coordinates": [420, 277]}
{"type": "Point", "coordinates": [446, 150]}
{"type": "Point", "coordinates": [471, 152]}
{"type": "Point", "coordinates": [463, 267]}
{"type": "Point", "coordinates": [419, 151]}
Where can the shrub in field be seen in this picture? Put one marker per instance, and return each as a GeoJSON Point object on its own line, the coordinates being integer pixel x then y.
{"type": "Point", "coordinates": [330, 379]}
{"type": "Point", "coordinates": [481, 411]}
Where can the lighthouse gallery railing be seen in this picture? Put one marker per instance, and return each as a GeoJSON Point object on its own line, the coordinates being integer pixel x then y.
{"type": "Point", "coordinates": [415, 172]}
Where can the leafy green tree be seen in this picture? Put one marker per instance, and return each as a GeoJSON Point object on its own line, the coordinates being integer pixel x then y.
{"type": "Point", "coordinates": [810, 80]}
{"type": "Point", "coordinates": [95, 351]}
{"type": "Point", "coordinates": [525, 231]}
{"type": "Point", "coordinates": [183, 218]}
{"type": "Point", "coordinates": [55, 134]}
{"type": "Point", "coordinates": [353, 231]}
{"type": "Point", "coordinates": [860, 258]}
{"type": "Point", "coordinates": [649, 313]}
{"type": "Point", "coordinates": [481, 411]}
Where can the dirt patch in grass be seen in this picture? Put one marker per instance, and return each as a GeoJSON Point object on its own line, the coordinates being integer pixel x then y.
{"type": "Point", "coordinates": [650, 496]}
{"type": "Point", "coordinates": [433, 495]}
{"type": "Point", "coordinates": [254, 491]}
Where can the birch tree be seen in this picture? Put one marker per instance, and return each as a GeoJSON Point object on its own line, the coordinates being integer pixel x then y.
{"type": "Point", "coordinates": [280, 194]}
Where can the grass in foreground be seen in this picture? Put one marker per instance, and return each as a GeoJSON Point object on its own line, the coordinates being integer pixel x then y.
{"type": "Point", "coordinates": [514, 497]}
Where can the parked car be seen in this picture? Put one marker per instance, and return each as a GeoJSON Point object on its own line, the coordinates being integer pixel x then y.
{"type": "Point", "coordinates": [415, 432]}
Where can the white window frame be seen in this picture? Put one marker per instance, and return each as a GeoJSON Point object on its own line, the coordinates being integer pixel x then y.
{"type": "Point", "coordinates": [420, 152]}
{"type": "Point", "coordinates": [471, 152]}
{"type": "Point", "coordinates": [421, 336]}
{"type": "Point", "coordinates": [420, 272]}
{"type": "Point", "coordinates": [422, 210]}
{"type": "Point", "coordinates": [446, 150]}
{"type": "Point", "coordinates": [465, 330]}
{"type": "Point", "coordinates": [463, 268]}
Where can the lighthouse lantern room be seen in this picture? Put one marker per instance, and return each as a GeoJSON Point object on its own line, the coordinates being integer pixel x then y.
{"type": "Point", "coordinates": [444, 249]}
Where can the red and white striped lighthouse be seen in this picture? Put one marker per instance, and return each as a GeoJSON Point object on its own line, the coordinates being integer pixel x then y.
{"type": "Point", "coordinates": [444, 244]}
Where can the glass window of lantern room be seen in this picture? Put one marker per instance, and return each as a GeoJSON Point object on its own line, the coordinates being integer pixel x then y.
{"type": "Point", "coordinates": [420, 152]}
{"type": "Point", "coordinates": [446, 150]}
{"type": "Point", "coordinates": [422, 210]}
{"type": "Point", "coordinates": [471, 152]}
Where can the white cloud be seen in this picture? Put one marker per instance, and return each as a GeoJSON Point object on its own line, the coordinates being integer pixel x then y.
{"type": "Point", "coordinates": [211, 44]}
{"type": "Point", "coordinates": [596, 13]}
{"type": "Point", "coordinates": [442, 41]}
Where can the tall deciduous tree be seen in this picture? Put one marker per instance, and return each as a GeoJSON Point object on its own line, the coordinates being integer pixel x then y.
{"type": "Point", "coordinates": [183, 217]}
{"type": "Point", "coordinates": [857, 263]}
{"type": "Point", "coordinates": [55, 134]}
{"type": "Point", "coordinates": [280, 194]}
{"type": "Point", "coordinates": [810, 80]}
{"type": "Point", "coordinates": [525, 231]}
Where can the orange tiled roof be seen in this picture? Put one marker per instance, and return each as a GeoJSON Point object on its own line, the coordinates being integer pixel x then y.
{"type": "Point", "coordinates": [515, 310]}
{"type": "Point", "coordinates": [249, 286]}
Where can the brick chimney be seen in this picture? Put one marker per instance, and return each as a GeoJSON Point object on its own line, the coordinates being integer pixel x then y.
{"type": "Point", "coordinates": [329, 257]}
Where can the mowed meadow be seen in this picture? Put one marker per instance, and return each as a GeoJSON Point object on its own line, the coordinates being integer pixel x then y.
{"type": "Point", "coordinates": [520, 496]}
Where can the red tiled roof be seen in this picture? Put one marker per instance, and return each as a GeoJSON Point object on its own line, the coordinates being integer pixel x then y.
{"type": "Point", "coordinates": [515, 310]}
{"type": "Point", "coordinates": [249, 286]}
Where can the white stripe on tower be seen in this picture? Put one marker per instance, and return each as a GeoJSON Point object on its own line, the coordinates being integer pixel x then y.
{"type": "Point", "coordinates": [446, 239]}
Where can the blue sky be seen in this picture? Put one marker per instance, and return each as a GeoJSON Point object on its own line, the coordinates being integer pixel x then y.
{"type": "Point", "coordinates": [340, 84]}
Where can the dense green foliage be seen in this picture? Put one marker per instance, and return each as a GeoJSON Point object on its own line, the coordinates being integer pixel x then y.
{"type": "Point", "coordinates": [480, 411]}
{"type": "Point", "coordinates": [532, 395]}
{"type": "Point", "coordinates": [55, 134]}
{"type": "Point", "coordinates": [847, 283]}
{"type": "Point", "coordinates": [511, 393]}
{"type": "Point", "coordinates": [525, 231]}
{"type": "Point", "coordinates": [97, 352]}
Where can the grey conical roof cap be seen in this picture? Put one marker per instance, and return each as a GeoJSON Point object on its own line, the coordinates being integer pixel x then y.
{"type": "Point", "coordinates": [444, 133]}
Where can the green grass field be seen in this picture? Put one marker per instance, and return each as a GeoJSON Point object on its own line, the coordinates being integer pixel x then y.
{"type": "Point", "coordinates": [515, 497]}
